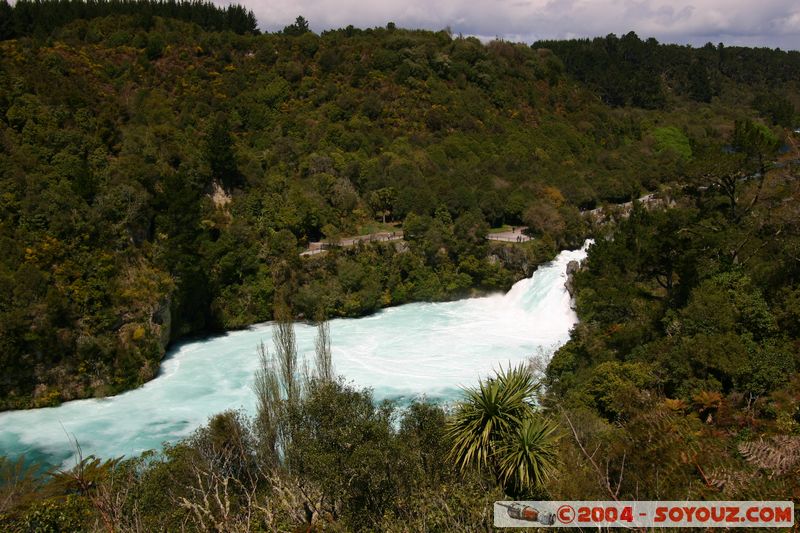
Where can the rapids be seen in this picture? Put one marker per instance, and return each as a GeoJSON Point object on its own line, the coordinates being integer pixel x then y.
{"type": "Point", "coordinates": [404, 352]}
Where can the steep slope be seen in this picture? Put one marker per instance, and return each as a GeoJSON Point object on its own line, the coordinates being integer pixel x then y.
{"type": "Point", "coordinates": [118, 133]}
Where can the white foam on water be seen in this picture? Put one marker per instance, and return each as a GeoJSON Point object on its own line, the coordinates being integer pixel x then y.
{"type": "Point", "coordinates": [429, 349]}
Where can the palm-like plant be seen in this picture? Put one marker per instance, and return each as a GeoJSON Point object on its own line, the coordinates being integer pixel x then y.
{"type": "Point", "coordinates": [528, 457]}
{"type": "Point", "coordinates": [498, 427]}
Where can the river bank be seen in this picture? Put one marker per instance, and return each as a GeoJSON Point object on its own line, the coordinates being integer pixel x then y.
{"type": "Point", "coordinates": [405, 352]}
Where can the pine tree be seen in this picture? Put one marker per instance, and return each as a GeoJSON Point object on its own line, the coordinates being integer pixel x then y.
{"type": "Point", "coordinates": [220, 154]}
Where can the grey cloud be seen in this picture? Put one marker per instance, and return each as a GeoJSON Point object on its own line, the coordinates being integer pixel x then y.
{"type": "Point", "coordinates": [774, 23]}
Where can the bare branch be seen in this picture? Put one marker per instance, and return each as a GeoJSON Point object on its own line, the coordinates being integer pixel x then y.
{"type": "Point", "coordinates": [324, 359]}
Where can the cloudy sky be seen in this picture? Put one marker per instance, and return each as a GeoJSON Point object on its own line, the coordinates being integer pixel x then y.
{"type": "Point", "coordinates": [774, 23]}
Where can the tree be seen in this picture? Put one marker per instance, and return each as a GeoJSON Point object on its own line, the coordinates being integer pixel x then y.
{"type": "Point", "coordinates": [756, 142]}
{"type": "Point", "coordinates": [753, 146]}
{"type": "Point", "coordinates": [543, 218]}
{"type": "Point", "coordinates": [6, 20]}
{"type": "Point", "coordinates": [344, 444]}
{"type": "Point", "coordinates": [219, 152]}
{"type": "Point", "coordinates": [498, 427]}
{"type": "Point", "coordinates": [324, 357]}
{"type": "Point", "coordinates": [672, 139]}
{"type": "Point", "coordinates": [699, 83]}
{"type": "Point", "coordinates": [778, 108]}
{"type": "Point", "coordinates": [299, 27]}
{"type": "Point", "coordinates": [527, 457]}
{"type": "Point", "coordinates": [382, 201]}
{"type": "Point", "coordinates": [470, 231]}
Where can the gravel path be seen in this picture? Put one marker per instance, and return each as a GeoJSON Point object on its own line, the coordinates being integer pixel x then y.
{"type": "Point", "coordinates": [515, 235]}
{"type": "Point", "coordinates": [315, 248]}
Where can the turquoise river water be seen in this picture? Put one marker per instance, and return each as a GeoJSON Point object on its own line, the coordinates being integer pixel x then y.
{"type": "Point", "coordinates": [414, 350]}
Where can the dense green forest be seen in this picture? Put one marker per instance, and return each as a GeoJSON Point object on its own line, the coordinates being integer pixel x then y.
{"type": "Point", "coordinates": [163, 165]}
{"type": "Point", "coordinates": [160, 176]}
{"type": "Point", "coordinates": [689, 347]}
{"type": "Point", "coordinates": [41, 18]}
{"type": "Point", "coordinates": [628, 71]}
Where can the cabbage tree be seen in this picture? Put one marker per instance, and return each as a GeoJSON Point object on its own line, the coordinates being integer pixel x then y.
{"type": "Point", "coordinates": [499, 427]}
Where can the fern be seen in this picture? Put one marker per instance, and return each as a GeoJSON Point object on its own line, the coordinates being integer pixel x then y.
{"type": "Point", "coordinates": [779, 454]}
{"type": "Point", "coordinates": [730, 481]}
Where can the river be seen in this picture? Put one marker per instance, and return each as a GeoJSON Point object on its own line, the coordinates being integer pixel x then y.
{"type": "Point", "coordinates": [415, 350]}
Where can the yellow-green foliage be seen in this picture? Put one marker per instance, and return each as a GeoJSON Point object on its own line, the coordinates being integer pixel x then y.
{"type": "Point", "coordinates": [138, 333]}
{"type": "Point", "coordinates": [672, 139]}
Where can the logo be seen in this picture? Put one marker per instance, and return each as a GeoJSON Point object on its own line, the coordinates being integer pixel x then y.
{"type": "Point", "coordinates": [566, 514]}
{"type": "Point", "coordinates": [645, 514]}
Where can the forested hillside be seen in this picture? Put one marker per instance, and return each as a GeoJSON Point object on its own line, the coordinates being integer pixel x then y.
{"type": "Point", "coordinates": [684, 368]}
{"type": "Point", "coordinates": [36, 18]}
{"type": "Point", "coordinates": [628, 71]}
{"type": "Point", "coordinates": [163, 165]}
{"type": "Point", "coordinates": [159, 177]}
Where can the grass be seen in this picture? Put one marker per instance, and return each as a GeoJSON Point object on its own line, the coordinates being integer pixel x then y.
{"type": "Point", "coordinates": [501, 229]}
{"type": "Point", "coordinates": [376, 227]}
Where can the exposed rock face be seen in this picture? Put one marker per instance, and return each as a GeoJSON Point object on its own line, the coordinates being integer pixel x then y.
{"type": "Point", "coordinates": [514, 258]}
{"type": "Point", "coordinates": [218, 195]}
{"type": "Point", "coordinates": [162, 322]}
{"type": "Point", "coordinates": [572, 267]}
